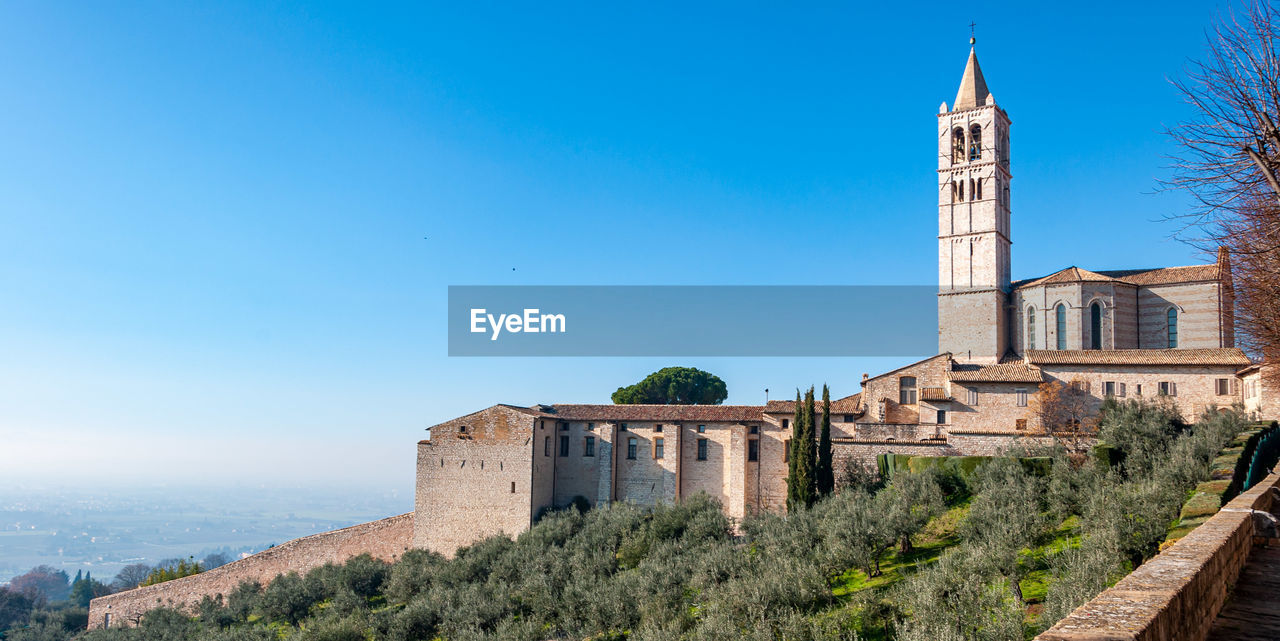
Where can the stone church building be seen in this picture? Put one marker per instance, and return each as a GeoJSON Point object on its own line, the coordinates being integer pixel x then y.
{"type": "Point", "coordinates": [1131, 333]}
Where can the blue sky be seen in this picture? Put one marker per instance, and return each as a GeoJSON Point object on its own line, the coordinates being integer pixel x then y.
{"type": "Point", "coordinates": [229, 228]}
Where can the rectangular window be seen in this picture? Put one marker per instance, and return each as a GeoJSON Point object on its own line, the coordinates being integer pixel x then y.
{"type": "Point", "coordinates": [564, 446]}
{"type": "Point", "coordinates": [1021, 395]}
{"type": "Point", "coordinates": [564, 427]}
{"type": "Point", "coordinates": [702, 449]}
{"type": "Point", "coordinates": [1109, 388]}
{"type": "Point", "coordinates": [755, 429]}
{"type": "Point", "coordinates": [942, 417]}
{"type": "Point", "coordinates": [622, 427]}
{"type": "Point", "coordinates": [1167, 388]}
{"type": "Point", "coordinates": [1222, 386]}
{"type": "Point", "coordinates": [658, 428]}
{"type": "Point", "coordinates": [753, 449]}
{"type": "Point", "coordinates": [848, 418]}
{"type": "Point", "coordinates": [1021, 424]}
{"type": "Point", "coordinates": [631, 448]}
{"type": "Point", "coordinates": [702, 429]}
{"type": "Point", "coordinates": [658, 448]}
{"type": "Point", "coordinates": [591, 427]}
{"type": "Point", "coordinates": [1122, 392]}
{"type": "Point", "coordinates": [786, 450]}
{"type": "Point", "coordinates": [513, 487]}
{"type": "Point", "coordinates": [907, 390]}
{"type": "Point", "coordinates": [973, 395]}
{"type": "Point", "coordinates": [786, 423]}
{"type": "Point", "coordinates": [546, 446]}
{"type": "Point", "coordinates": [1137, 389]}
{"type": "Point", "coordinates": [589, 446]}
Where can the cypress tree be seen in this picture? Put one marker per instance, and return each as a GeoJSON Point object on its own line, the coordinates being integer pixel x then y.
{"type": "Point", "coordinates": [810, 449]}
{"type": "Point", "coordinates": [826, 474]}
{"type": "Point", "coordinates": [795, 499]}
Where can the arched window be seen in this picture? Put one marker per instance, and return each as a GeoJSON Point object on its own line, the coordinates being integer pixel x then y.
{"type": "Point", "coordinates": [978, 185]}
{"type": "Point", "coordinates": [1095, 326]}
{"type": "Point", "coordinates": [1061, 312]}
{"type": "Point", "coordinates": [975, 142]}
{"type": "Point", "coordinates": [957, 146]}
{"type": "Point", "coordinates": [973, 190]}
{"type": "Point", "coordinates": [1004, 148]}
{"type": "Point", "coordinates": [961, 183]}
{"type": "Point", "coordinates": [1173, 327]}
{"type": "Point", "coordinates": [1031, 327]}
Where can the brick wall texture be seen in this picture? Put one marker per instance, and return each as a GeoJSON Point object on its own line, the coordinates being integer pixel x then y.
{"type": "Point", "coordinates": [385, 539]}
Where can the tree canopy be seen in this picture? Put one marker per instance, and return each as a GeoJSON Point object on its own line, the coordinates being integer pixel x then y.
{"type": "Point", "coordinates": [674, 386]}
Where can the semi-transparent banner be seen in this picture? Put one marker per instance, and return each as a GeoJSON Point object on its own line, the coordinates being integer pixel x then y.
{"type": "Point", "coordinates": [693, 320]}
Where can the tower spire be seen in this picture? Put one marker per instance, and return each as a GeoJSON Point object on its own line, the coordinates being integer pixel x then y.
{"type": "Point", "coordinates": [973, 91]}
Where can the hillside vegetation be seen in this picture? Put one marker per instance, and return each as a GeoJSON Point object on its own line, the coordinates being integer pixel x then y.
{"type": "Point", "coordinates": [998, 553]}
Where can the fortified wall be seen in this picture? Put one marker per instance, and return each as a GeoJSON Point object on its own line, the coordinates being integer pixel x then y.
{"type": "Point", "coordinates": [385, 539]}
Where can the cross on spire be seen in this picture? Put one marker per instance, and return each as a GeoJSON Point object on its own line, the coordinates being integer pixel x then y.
{"type": "Point", "coordinates": [973, 32]}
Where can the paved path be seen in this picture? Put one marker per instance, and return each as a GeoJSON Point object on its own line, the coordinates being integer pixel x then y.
{"type": "Point", "coordinates": [1253, 609]}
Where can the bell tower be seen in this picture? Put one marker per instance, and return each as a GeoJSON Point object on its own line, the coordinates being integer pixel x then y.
{"type": "Point", "coordinates": [973, 222]}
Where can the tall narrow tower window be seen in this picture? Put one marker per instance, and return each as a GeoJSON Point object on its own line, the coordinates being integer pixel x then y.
{"type": "Point", "coordinates": [957, 146]}
{"type": "Point", "coordinates": [978, 185]}
{"type": "Point", "coordinates": [1031, 327]}
{"type": "Point", "coordinates": [1095, 326]}
{"type": "Point", "coordinates": [1173, 327]}
{"type": "Point", "coordinates": [975, 143]}
{"type": "Point", "coordinates": [1061, 329]}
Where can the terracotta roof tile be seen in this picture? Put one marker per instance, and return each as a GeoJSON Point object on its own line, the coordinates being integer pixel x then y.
{"type": "Point", "coordinates": [848, 405]}
{"type": "Point", "coordinates": [1215, 356]}
{"type": "Point", "coordinates": [712, 413]}
{"type": "Point", "coordinates": [1001, 373]}
{"type": "Point", "coordinates": [934, 394]}
{"type": "Point", "coordinates": [1156, 276]}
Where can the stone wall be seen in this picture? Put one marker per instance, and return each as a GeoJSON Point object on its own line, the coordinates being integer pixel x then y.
{"type": "Point", "coordinates": [1195, 387]}
{"type": "Point", "coordinates": [864, 452]}
{"type": "Point", "coordinates": [993, 443]}
{"type": "Point", "coordinates": [386, 539]}
{"type": "Point", "coordinates": [476, 477]}
{"type": "Point", "coordinates": [1177, 595]}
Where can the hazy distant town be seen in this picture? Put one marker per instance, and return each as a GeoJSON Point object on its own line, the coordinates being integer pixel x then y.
{"type": "Point", "coordinates": [102, 531]}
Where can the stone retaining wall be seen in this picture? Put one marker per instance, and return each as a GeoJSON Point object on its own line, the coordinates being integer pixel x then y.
{"type": "Point", "coordinates": [1177, 594]}
{"type": "Point", "coordinates": [385, 539]}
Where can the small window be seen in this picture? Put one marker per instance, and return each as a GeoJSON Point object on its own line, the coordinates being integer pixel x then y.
{"type": "Point", "coordinates": [1167, 388]}
{"type": "Point", "coordinates": [1021, 424]}
{"type": "Point", "coordinates": [786, 423]}
{"type": "Point", "coordinates": [589, 446]}
{"type": "Point", "coordinates": [1137, 389]}
{"type": "Point", "coordinates": [702, 429]}
{"type": "Point", "coordinates": [702, 449]}
{"type": "Point", "coordinates": [631, 448]}
{"type": "Point", "coordinates": [848, 418]}
{"type": "Point", "coordinates": [957, 145]}
{"type": "Point", "coordinates": [462, 429]}
{"type": "Point", "coordinates": [942, 417]}
{"type": "Point", "coordinates": [753, 449]}
{"type": "Point", "coordinates": [786, 450]}
{"type": "Point", "coordinates": [546, 446]}
{"type": "Point", "coordinates": [658, 428]}
{"type": "Point", "coordinates": [1080, 386]}
{"type": "Point", "coordinates": [591, 427]}
{"type": "Point", "coordinates": [542, 425]}
{"type": "Point", "coordinates": [1021, 395]}
{"type": "Point", "coordinates": [1109, 388]}
{"type": "Point", "coordinates": [973, 395]}
{"type": "Point", "coordinates": [513, 487]}
{"type": "Point", "coordinates": [1172, 321]}
{"type": "Point", "coordinates": [658, 447]}
{"type": "Point", "coordinates": [564, 427]}
{"type": "Point", "coordinates": [564, 446]}
{"type": "Point", "coordinates": [1222, 386]}
{"type": "Point", "coordinates": [622, 427]}
{"type": "Point", "coordinates": [755, 429]}
{"type": "Point", "coordinates": [975, 142]}
{"type": "Point", "coordinates": [907, 390]}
